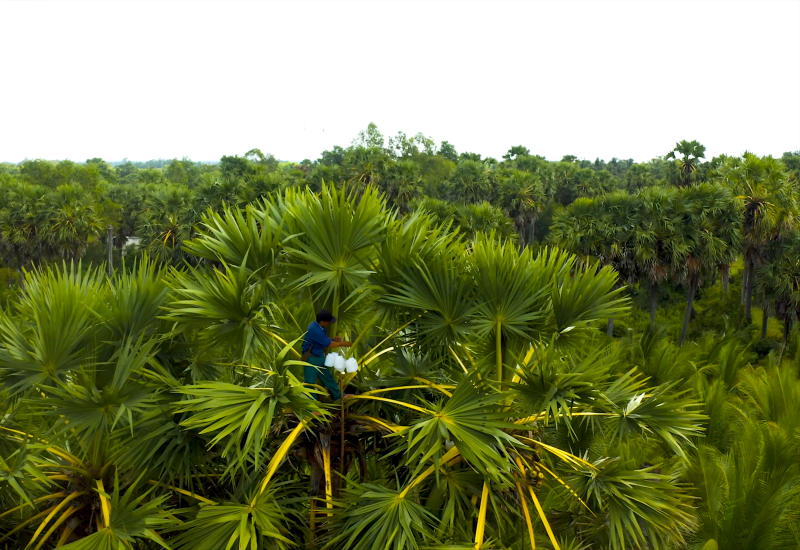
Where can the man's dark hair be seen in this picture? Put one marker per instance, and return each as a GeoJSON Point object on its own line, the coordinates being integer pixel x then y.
{"type": "Point", "coordinates": [325, 315]}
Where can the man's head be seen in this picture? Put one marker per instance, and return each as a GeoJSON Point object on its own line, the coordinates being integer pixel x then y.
{"type": "Point", "coordinates": [325, 318]}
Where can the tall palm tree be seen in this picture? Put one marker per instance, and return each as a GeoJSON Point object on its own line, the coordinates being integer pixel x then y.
{"type": "Point", "coordinates": [73, 221]}
{"type": "Point", "coordinates": [778, 281]}
{"type": "Point", "coordinates": [522, 197]}
{"type": "Point", "coordinates": [769, 207]}
{"type": "Point", "coordinates": [690, 154]}
{"type": "Point", "coordinates": [604, 228]}
{"type": "Point", "coordinates": [711, 230]}
{"type": "Point", "coordinates": [366, 166]}
{"type": "Point", "coordinates": [217, 192]}
{"type": "Point", "coordinates": [21, 221]}
{"type": "Point", "coordinates": [470, 182]}
{"type": "Point", "coordinates": [167, 221]}
{"type": "Point", "coordinates": [402, 184]}
{"type": "Point", "coordinates": [662, 246]}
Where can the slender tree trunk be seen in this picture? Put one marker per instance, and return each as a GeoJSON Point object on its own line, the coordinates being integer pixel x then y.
{"type": "Point", "coordinates": [110, 248]}
{"type": "Point", "coordinates": [341, 434]}
{"type": "Point", "coordinates": [726, 278]}
{"type": "Point", "coordinates": [787, 328]}
{"type": "Point", "coordinates": [653, 302]}
{"type": "Point", "coordinates": [610, 329]}
{"type": "Point", "coordinates": [689, 305]}
{"type": "Point", "coordinates": [21, 272]}
{"type": "Point", "coordinates": [744, 281]}
{"type": "Point", "coordinates": [498, 342]}
{"type": "Point", "coordinates": [764, 322]}
{"type": "Point", "coordinates": [748, 297]}
{"type": "Point", "coordinates": [533, 230]}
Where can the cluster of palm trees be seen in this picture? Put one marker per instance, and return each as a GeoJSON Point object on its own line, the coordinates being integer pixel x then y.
{"type": "Point", "coordinates": [694, 233]}
{"type": "Point", "coordinates": [163, 407]}
{"type": "Point", "coordinates": [37, 222]}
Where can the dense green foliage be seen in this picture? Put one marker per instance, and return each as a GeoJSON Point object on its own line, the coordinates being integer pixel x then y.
{"type": "Point", "coordinates": [158, 401]}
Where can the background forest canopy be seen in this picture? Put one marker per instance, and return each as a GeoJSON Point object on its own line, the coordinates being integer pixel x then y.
{"type": "Point", "coordinates": [605, 210]}
{"type": "Point", "coordinates": [552, 354]}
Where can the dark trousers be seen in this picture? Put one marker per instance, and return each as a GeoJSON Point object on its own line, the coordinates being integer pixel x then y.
{"type": "Point", "coordinates": [323, 373]}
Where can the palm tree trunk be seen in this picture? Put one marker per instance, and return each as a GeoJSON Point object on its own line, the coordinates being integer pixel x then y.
{"type": "Point", "coordinates": [764, 322]}
{"type": "Point", "coordinates": [110, 249]}
{"type": "Point", "coordinates": [498, 342]}
{"type": "Point", "coordinates": [341, 434]}
{"type": "Point", "coordinates": [787, 327]}
{"type": "Point", "coordinates": [533, 230]}
{"type": "Point", "coordinates": [653, 302]}
{"type": "Point", "coordinates": [744, 281]}
{"type": "Point", "coordinates": [21, 272]}
{"type": "Point", "coordinates": [694, 281]}
{"type": "Point", "coordinates": [726, 277]}
{"type": "Point", "coordinates": [748, 296]}
{"type": "Point", "coordinates": [610, 329]}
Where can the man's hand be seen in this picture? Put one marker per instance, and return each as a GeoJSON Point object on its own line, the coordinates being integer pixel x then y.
{"type": "Point", "coordinates": [347, 344]}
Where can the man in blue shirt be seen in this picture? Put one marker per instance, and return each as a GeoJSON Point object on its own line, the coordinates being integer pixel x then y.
{"type": "Point", "coordinates": [314, 345]}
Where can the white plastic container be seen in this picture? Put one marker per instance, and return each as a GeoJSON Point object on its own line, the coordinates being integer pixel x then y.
{"type": "Point", "coordinates": [351, 365]}
{"type": "Point", "coordinates": [330, 359]}
{"type": "Point", "coordinates": [339, 363]}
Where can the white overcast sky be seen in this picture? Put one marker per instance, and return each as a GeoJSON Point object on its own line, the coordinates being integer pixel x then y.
{"type": "Point", "coordinates": [147, 80]}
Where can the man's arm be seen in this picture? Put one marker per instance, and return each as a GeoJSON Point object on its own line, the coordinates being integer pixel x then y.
{"type": "Point", "coordinates": [340, 344]}
{"type": "Point", "coordinates": [336, 342]}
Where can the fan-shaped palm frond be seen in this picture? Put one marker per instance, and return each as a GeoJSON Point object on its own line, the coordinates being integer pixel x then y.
{"type": "Point", "coordinates": [226, 311]}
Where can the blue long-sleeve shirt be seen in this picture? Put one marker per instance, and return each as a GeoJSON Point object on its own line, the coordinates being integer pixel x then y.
{"type": "Point", "coordinates": [316, 340]}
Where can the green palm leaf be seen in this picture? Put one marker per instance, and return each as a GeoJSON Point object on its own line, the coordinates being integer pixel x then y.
{"type": "Point", "coordinates": [473, 421]}
{"type": "Point", "coordinates": [253, 238]}
{"type": "Point", "coordinates": [135, 516]}
{"type": "Point", "coordinates": [226, 310]}
{"type": "Point", "coordinates": [260, 524]}
{"type": "Point", "coordinates": [378, 517]}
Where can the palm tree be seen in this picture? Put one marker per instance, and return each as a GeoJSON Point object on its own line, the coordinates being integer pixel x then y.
{"type": "Point", "coordinates": [167, 222]}
{"type": "Point", "coordinates": [604, 228]}
{"type": "Point", "coordinates": [691, 152]}
{"type": "Point", "coordinates": [661, 245]}
{"type": "Point", "coordinates": [73, 221]}
{"type": "Point", "coordinates": [522, 197]}
{"type": "Point", "coordinates": [769, 207]}
{"type": "Point", "coordinates": [778, 282]}
{"type": "Point", "coordinates": [21, 221]}
{"type": "Point", "coordinates": [470, 183]}
{"type": "Point", "coordinates": [402, 184]}
{"type": "Point", "coordinates": [215, 192]}
{"type": "Point", "coordinates": [711, 230]}
{"type": "Point", "coordinates": [482, 217]}
{"type": "Point", "coordinates": [366, 166]}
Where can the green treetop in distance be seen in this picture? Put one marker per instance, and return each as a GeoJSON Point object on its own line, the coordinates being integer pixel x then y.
{"type": "Point", "coordinates": [690, 154]}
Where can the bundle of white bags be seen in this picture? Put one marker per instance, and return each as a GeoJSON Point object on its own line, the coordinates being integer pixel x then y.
{"type": "Point", "coordinates": [341, 364]}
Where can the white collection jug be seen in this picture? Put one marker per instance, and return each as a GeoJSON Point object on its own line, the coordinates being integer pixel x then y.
{"type": "Point", "coordinates": [339, 363]}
